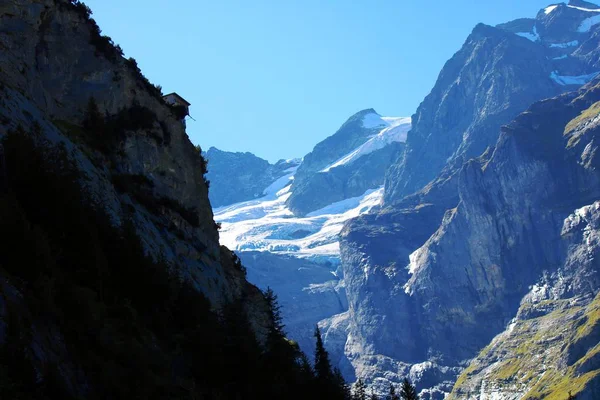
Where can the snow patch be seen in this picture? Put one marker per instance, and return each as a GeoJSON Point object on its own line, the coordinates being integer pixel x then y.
{"type": "Point", "coordinates": [572, 80]}
{"type": "Point", "coordinates": [588, 23]}
{"type": "Point", "coordinates": [533, 36]}
{"type": "Point", "coordinates": [549, 9]}
{"type": "Point", "coordinates": [279, 184]}
{"type": "Point", "coordinates": [373, 120]}
{"type": "Point", "coordinates": [585, 9]}
{"type": "Point", "coordinates": [565, 45]}
{"type": "Point", "coordinates": [396, 129]}
{"type": "Point", "coordinates": [561, 57]}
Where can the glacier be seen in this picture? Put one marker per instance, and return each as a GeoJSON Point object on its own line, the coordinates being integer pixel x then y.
{"type": "Point", "coordinates": [299, 256]}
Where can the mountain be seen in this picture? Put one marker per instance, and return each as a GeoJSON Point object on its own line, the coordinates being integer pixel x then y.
{"type": "Point", "coordinates": [113, 283]}
{"type": "Point", "coordinates": [472, 219]}
{"type": "Point", "coordinates": [497, 74]}
{"type": "Point", "coordinates": [349, 162]}
{"type": "Point", "coordinates": [486, 199]}
{"type": "Point", "coordinates": [298, 256]}
{"type": "Point", "coordinates": [238, 177]}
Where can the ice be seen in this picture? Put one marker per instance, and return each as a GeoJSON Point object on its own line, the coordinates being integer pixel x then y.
{"type": "Point", "coordinates": [585, 9]}
{"type": "Point", "coordinates": [572, 80]}
{"type": "Point", "coordinates": [565, 45]}
{"type": "Point", "coordinates": [268, 225]}
{"type": "Point", "coordinates": [533, 36]}
{"type": "Point", "coordinates": [587, 24]}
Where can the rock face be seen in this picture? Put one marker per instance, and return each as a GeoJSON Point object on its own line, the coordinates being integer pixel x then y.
{"type": "Point", "coordinates": [238, 177]}
{"type": "Point", "coordinates": [496, 75]}
{"type": "Point", "coordinates": [49, 65]}
{"type": "Point", "coordinates": [307, 292]}
{"type": "Point", "coordinates": [53, 61]}
{"type": "Point", "coordinates": [557, 318]}
{"type": "Point", "coordinates": [444, 266]}
{"type": "Point", "coordinates": [349, 162]}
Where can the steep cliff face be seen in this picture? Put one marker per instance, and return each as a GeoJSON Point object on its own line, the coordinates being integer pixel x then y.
{"type": "Point", "coordinates": [436, 274]}
{"type": "Point", "coordinates": [451, 295]}
{"type": "Point", "coordinates": [50, 69]}
{"type": "Point", "coordinates": [496, 75]}
{"type": "Point", "coordinates": [137, 165]}
{"type": "Point", "coordinates": [557, 318]}
{"type": "Point", "coordinates": [550, 347]}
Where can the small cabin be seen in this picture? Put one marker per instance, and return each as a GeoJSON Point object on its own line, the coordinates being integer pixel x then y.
{"type": "Point", "coordinates": [180, 105]}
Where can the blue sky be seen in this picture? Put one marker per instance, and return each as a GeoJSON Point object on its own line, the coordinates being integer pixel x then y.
{"type": "Point", "coordinates": [276, 77]}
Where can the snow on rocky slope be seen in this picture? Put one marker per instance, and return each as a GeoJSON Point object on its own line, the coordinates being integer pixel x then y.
{"type": "Point", "coordinates": [299, 257]}
{"type": "Point", "coordinates": [267, 224]}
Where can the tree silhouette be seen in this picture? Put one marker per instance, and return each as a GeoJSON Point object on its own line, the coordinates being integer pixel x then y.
{"type": "Point", "coordinates": [408, 391]}
{"type": "Point", "coordinates": [392, 393]}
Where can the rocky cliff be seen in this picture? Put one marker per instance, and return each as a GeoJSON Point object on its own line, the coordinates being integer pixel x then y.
{"type": "Point", "coordinates": [67, 86]}
{"type": "Point", "coordinates": [555, 324]}
{"type": "Point", "coordinates": [52, 64]}
{"type": "Point", "coordinates": [497, 74]}
{"type": "Point", "coordinates": [441, 270]}
{"type": "Point", "coordinates": [238, 177]}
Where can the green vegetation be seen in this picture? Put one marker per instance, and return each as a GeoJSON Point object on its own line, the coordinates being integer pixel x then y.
{"type": "Point", "coordinates": [131, 328]}
{"type": "Point", "coordinates": [408, 391]}
{"type": "Point", "coordinates": [533, 351]}
{"type": "Point", "coordinates": [585, 115]}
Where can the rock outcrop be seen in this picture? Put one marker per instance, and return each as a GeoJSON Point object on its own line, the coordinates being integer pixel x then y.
{"type": "Point", "coordinates": [238, 177]}
{"type": "Point", "coordinates": [442, 269]}
{"type": "Point", "coordinates": [58, 71]}
{"type": "Point", "coordinates": [348, 163]}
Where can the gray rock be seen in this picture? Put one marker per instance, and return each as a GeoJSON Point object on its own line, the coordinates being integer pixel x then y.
{"type": "Point", "coordinates": [442, 269]}
{"type": "Point", "coordinates": [237, 177]}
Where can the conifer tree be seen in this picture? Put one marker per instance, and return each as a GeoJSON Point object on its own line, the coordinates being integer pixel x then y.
{"type": "Point", "coordinates": [360, 390]}
{"type": "Point", "coordinates": [408, 391]}
{"type": "Point", "coordinates": [373, 395]}
{"type": "Point", "coordinates": [341, 388]}
{"type": "Point", "coordinates": [322, 363]}
{"type": "Point", "coordinates": [278, 329]}
{"type": "Point", "coordinates": [392, 393]}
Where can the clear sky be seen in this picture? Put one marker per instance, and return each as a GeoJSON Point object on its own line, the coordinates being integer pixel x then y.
{"type": "Point", "coordinates": [275, 77]}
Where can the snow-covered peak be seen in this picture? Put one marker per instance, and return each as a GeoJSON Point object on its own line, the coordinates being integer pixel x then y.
{"type": "Point", "coordinates": [394, 129]}
{"type": "Point", "coordinates": [373, 120]}
{"type": "Point", "coordinates": [549, 9]}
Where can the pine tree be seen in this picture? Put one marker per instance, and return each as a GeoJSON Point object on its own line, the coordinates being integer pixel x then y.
{"type": "Point", "coordinates": [322, 363]}
{"type": "Point", "coordinates": [360, 390]}
{"type": "Point", "coordinates": [373, 395]}
{"type": "Point", "coordinates": [408, 391]}
{"type": "Point", "coordinates": [342, 390]}
{"type": "Point", "coordinates": [571, 397]}
{"type": "Point", "coordinates": [278, 329]}
{"type": "Point", "coordinates": [392, 394]}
